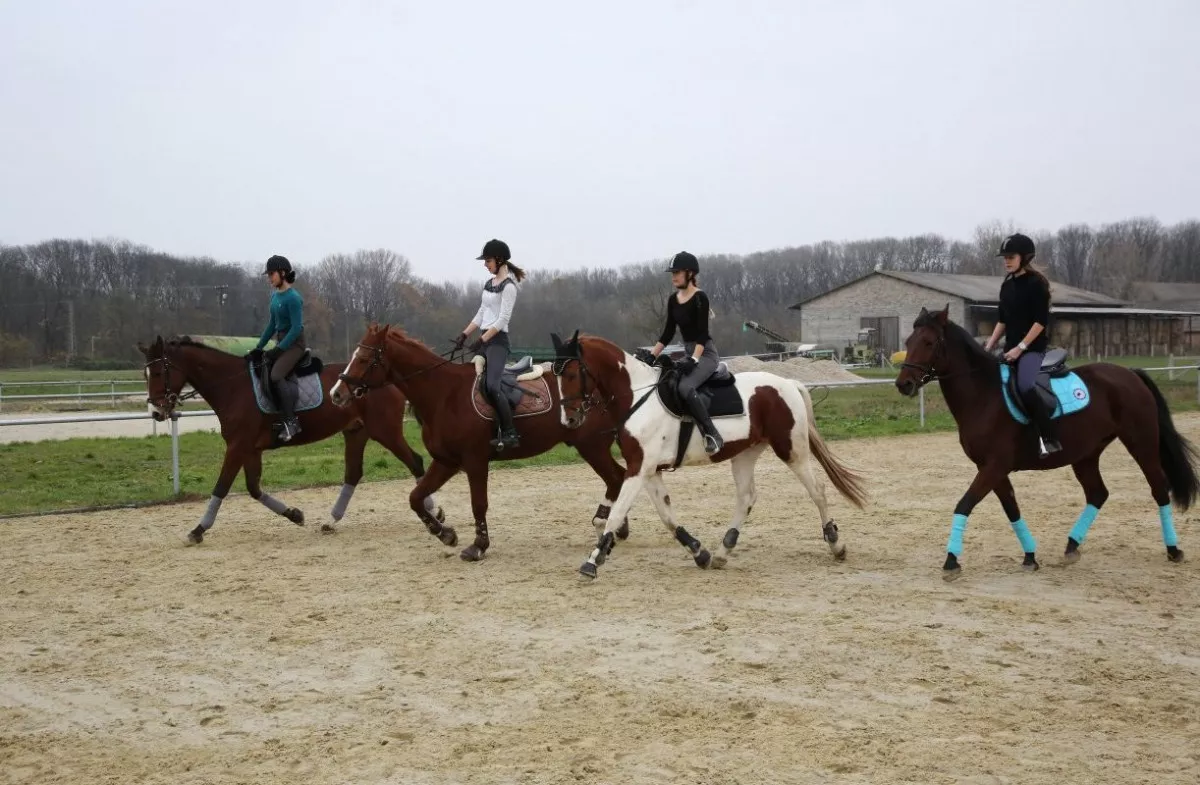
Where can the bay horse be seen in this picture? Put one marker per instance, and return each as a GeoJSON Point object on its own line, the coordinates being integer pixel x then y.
{"type": "Point", "coordinates": [1120, 404]}
{"type": "Point", "coordinates": [223, 380]}
{"type": "Point", "coordinates": [457, 434]}
{"type": "Point", "coordinates": [757, 410]}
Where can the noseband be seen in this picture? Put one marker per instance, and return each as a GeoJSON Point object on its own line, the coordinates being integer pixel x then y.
{"type": "Point", "coordinates": [358, 384]}
{"type": "Point", "coordinates": [928, 372]}
{"type": "Point", "coordinates": [170, 399]}
{"type": "Point", "coordinates": [585, 401]}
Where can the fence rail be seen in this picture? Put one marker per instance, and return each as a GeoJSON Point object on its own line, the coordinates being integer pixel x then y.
{"type": "Point", "coordinates": [174, 419]}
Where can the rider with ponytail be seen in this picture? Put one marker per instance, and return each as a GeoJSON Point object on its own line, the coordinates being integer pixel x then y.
{"type": "Point", "coordinates": [1024, 321]}
{"type": "Point", "coordinates": [495, 310]}
{"type": "Point", "coordinates": [286, 326]}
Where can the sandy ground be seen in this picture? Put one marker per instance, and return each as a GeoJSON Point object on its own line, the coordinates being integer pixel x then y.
{"type": "Point", "coordinates": [276, 654]}
{"type": "Point", "coordinates": [87, 430]}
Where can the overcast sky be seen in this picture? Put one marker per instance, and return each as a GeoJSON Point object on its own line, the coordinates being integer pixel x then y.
{"type": "Point", "coordinates": [587, 134]}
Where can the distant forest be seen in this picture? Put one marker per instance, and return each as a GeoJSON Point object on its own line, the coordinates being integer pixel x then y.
{"type": "Point", "coordinates": [87, 303]}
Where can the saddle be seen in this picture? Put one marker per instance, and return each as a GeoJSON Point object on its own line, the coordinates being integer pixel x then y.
{"type": "Point", "coordinates": [523, 384]}
{"type": "Point", "coordinates": [306, 374]}
{"type": "Point", "coordinates": [1054, 366]}
{"type": "Point", "coordinates": [718, 392]}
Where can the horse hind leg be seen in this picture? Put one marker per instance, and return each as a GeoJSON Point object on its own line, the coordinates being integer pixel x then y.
{"type": "Point", "coordinates": [1145, 451]}
{"type": "Point", "coordinates": [800, 461]}
{"type": "Point", "coordinates": [742, 466]}
{"type": "Point", "coordinates": [254, 488]}
{"type": "Point", "coordinates": [1087, 472]}
{"type": "Point", "coordinates": [1008, 500]}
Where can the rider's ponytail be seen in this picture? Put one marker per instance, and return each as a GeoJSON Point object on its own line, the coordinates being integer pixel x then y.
{"type": "Point", "coordinates": [515, 272]}
{"type": "Point", "coordinates": [290, 276]}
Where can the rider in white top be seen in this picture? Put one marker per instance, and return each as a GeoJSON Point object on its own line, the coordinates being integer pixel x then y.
{"type": "Point", "coordinates": [495, 310]}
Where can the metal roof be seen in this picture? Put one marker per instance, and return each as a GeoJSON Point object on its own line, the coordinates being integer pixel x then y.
{"type": "Point", "coordinates": [978, 288]}
{"type": "Point", "coordinates": [1076, 310]}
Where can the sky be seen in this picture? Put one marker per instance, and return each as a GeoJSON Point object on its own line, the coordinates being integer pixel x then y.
{"type": "Point", "coordinates": [587, 134]}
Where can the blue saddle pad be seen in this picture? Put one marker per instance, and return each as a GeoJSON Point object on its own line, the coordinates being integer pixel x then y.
{"type": "Point", "coordinates": [1071, 392]}
{"type": "Point", "coordinates": [312, 394]}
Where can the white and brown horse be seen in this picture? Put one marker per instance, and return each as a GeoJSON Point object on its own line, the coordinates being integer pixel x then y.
{"type": "Point", "coordinates": [774, 412]}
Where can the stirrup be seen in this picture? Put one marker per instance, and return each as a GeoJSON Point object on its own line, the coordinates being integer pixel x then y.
{"type": "Point", "coordinates": [1046, 448]}
{"type": "Point", "coordinates": [712, 443]}
{"type": "Point", "coordinates": [289, 429]}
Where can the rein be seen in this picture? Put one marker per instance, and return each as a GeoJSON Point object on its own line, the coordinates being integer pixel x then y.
{"type": "Point", "coordinates": [170, 399]}
{"type": "Point", "coordinates": [359, 385]}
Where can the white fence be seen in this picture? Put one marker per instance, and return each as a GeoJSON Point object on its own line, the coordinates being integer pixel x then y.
{"type": "Point", "coordinates": [175, 482]}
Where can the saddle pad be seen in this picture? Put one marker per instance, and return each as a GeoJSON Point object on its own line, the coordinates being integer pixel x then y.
{"type": "Point", "coordinates": [312, 394]}
{"type": "Point", "coordinates": [1070, 392]}
{"type": "Point", "coordinates": [722, 401]}
{"type": "Point", "coordinates": [535, 399]}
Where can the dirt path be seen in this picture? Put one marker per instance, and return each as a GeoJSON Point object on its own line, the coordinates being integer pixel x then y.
{"type": "Point", "coordinates": [275, 654]}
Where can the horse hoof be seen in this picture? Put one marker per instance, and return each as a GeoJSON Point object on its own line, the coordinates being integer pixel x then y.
{"type": "Point", "coordinates": [1070, 557]}
{"type": "Point", "coordinates": [951, 574]}
{"type": "Point", "coordinates": [1174, 554]}
{"type": "Point", "coordinates": [328, 528]}
{"type": "Point", "coordinates": [623, 531]}
{"type": "Point", "coordinates": [588, 570]}
{"type": "Point", "coordinates": [1030, 564]}
{"type": "Point", "coordinates": [703, 559]}
{"type": "Point", "coordinates": [449, 537]}
{"type": "Point", "coordinates": [472, 553]}
{"type": "Point", "coordinates": [719, 562]}
{"type": "Point", "coordinates": [294, 515]}
{"type": "Point", "coordinates": [195, 536]}
{"type": "Point", "coordinates": [839, 553]}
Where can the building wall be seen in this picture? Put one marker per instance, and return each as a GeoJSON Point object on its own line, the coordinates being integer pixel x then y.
{"type": "Point", "coordinates": [833, 319]}
{"type": "Point", "coordinates": [1112, 336]}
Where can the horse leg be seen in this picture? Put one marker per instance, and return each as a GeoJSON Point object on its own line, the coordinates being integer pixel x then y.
{"type": "Point", "coordinates": [230, 466]}
{"type": "Point", "coordinates": [598, 454]}
{"type": "Point", "coordinates": [1144, 450]}
{"type": "Point", "coordinates": [800, 461]}
{"type": "Point", "coordinates": [630, 487]}
{"type": "Point", "coordinates": [1087, 472]}
{"type": "Point", "coordinates": [662, 502]}
{"type": "Point", "coordinates": [742, 465]}
{"type": "Point", "coordinates": [355, 444]}
{"type": "Point", "coordinates": [411, 459]}
{"type": "Point", "coordinates": [1008, 500]}
{"type": "Point", "coordinates": [253, 469]}
{"type": "Point", "coordinates": [986, 478]}
{"type": "Point", "coordinates": [477, 477]}
{"type": "Point", "coordinates": [435, 478]}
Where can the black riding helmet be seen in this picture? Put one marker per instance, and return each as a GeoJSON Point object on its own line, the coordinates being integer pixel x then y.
{"type": "Point", "coordinates": [280, 264]}
{"type": "Point", "coordinates": [1018, 244]}
{"type": "Point", "coordinates": [686, 262]}
{"type": "Point", "coordinates": [495, 249]}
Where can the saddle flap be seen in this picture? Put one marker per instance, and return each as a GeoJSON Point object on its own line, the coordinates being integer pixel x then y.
{"type": "Point", "coordinates": [520, 366]}
{"type": "Point", "coordinates": [1054, 363]}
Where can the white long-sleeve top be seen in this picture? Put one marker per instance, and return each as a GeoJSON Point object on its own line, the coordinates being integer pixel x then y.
{"type": "Point", "coordinates": [496, 305]}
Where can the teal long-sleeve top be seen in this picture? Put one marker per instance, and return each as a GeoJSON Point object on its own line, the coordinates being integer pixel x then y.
{"type": "Point", "coordinates": [286, 307]}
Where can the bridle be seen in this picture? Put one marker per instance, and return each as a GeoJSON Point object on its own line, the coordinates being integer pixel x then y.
{"type": "Point", "coordinates": [585, 401]}
{"type": "Point", "coordinates": [928, 372]}
{"type": "Point", "coordinates": [171, 399]}
{"type": "Point", "coordinates": [359, 386]}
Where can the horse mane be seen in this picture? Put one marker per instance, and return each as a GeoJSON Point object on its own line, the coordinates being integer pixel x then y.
{"type": "Point", "coordinates": [180, 341]}
{"type": "Point", "coordinates": [957, 335]}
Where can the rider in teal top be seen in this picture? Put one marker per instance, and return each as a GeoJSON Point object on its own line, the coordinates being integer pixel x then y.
{"type": "Point", "coordinates": [287, 327]}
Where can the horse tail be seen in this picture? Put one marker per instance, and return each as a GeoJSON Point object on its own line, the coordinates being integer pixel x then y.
{"type": "Point", "coordinates": [1177, 454]}
{"type": "Point", "coordinates": [848, 482]}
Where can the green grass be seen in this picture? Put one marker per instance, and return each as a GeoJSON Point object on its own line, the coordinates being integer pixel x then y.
{"type": "Point", "coordinates": [55, 475]}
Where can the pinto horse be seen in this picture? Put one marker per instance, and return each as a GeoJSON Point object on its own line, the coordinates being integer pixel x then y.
{"type": "Point", "coordinates": [223, 381]}
{"type": "Point", "coordinates": [594, 373]}
{"type": "Point", "coordinates": [445, 394]}
{"type": "Point", "coordinates": [1121, 404]}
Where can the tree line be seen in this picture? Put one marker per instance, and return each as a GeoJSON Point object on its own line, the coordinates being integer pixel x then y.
{"type": "Point", "coordinates": [87, 303]}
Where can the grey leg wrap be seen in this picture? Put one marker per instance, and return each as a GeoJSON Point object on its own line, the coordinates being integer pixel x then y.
{"type": "Point", "coordinates": [430, 504]}
{"type": "Point", "coordinates": [343, 501]}
{"type": "Point", "coordinates": [210, 514]}
{"type": "Point", "coordinates": [273, 504]}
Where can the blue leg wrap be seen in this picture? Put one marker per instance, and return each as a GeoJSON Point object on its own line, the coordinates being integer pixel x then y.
{"type": "Point", "coordinates": [1021, 529]}
{"type": "Point", "coordinates": [1083, 523]}
{"type": "Point", "coordinates": [959, 526]}
{"type": "Point", "coordinates": [1168, 526]}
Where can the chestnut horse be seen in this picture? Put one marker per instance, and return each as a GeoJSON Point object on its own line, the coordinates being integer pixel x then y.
{"type": "Point", "coordinates": [456, 434]}
{"type": "Point", "coordinates": [762, 410]}
{"type": "Point", "coordinates": [223, 381]}
{"type": "Point", "coordinates": [1120, 404]}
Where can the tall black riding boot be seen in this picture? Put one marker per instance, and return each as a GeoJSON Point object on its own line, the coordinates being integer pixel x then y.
{"type": "Point", "coordinates": [712, 439]}
{"type": "Point", "coordinates": [289, 393]}
{"type": "Point", "coordinates": [1047, 433]}
{"type": "Point", "coordinates": [508, 433]}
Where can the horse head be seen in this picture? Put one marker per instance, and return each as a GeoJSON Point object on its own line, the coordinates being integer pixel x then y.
{"type": "Point", "coordinates": [164, 379]}
{"type": "Point", "coordinates": [925, 349]}
{"type": "Point", "coordinates": [369, 367]}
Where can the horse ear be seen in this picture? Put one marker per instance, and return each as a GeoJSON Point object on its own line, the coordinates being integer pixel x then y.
{"type": "Point", "coordinates": [943, 315]}
{"type": "Point", "coordinates": [558, 345]}
{"type": "Point", "coordinates": [159, 342]}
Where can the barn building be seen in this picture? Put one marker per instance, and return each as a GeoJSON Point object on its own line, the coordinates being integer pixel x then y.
{"type": "Point", "coordinates": [1087, 324]}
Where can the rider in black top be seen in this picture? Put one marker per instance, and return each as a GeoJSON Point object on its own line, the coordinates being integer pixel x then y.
{"type": "Point", "coordinates": [687, 311]}
{"type": "Point", "coordinates": [1024, 321]}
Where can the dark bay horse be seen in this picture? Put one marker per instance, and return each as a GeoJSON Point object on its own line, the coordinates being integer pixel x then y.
{"type": "Point", "coordinates": [223, 381]}
{"type": "Point", "coordinates": [457, 436]}
{"type": "Point", "coordinates": [1123, 404]}
{"type": "Point", "coordinates": [754, 411]}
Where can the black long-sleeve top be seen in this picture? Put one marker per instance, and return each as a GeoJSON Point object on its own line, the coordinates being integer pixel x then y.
{"type": "Point", "coordinates": [691, 319]}
{"type": "Point", "coordinates": [1024, 301]}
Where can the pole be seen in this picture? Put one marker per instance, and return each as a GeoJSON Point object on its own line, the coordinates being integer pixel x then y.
{"type": "Point", "coordinates": [70, 331]}
{"type": "Point", "coordinates": [922, 404]}
{"type": "Point", "coordinates": [175, 451]}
